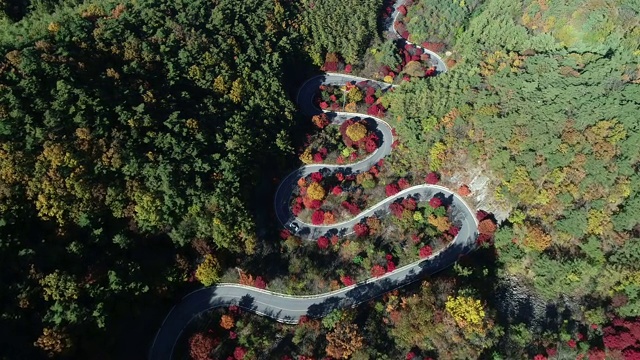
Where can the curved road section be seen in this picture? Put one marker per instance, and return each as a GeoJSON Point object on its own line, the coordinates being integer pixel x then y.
{"type": "Point", "coordinates": [288, 308]}
{"type": "Point", "coordinates": [440, 65]}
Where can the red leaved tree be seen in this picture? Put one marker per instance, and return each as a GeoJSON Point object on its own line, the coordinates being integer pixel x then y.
{"type": "Point", "coordinates": [390, 266]}
{"type": "Point", "coordinates": [370, 91]}
{"type": "Point", "coordinates": [409, 204]}
{"type": "Point", "coordinates": [323, 242]}
{"type": "Point", "coordinates": [464, 190]}
{"type": "Point", "coordinates": [378, 270]}
{"type": "Point", "coordinates": [370, 145]}
{"type": "Point", "coordinates": [373, 110]}
{"type": "Point", "coordinates": [433, 46]}
{"type": "Point", "coordinates": [200, 346]}
{"type": "Point", "coordinates": [481, 214]}
{"type": "Point", "coordinates": [435, 202]}
{"type": "Point", "coordinates": [260, 283]}
{"type": "Point", "coordinates": [316, 176]}
{"type": "Point", "coordinates": [425, 251]}
{"type": "Point", "coordinates": [347, 280]}
{"type": "Point", "coordinates": [624, 335]}
{"type": "Point", "coordinates": [483, 239]}
{"type": "Point", "coordinates": [369, 100]}
{"type": "Point", "coordinates": [396, 209]}
{"type": "Point", "coordinates": [391, 189]}
{"type": "Point", "coordinates": [318, 217]}
{"type": "Point", "coordinates": [487, 226]}
{"type": "Point", "coordinates": [353, 208]}
{"type": "Point", "coordinates": [361, 229]}
{"type": "Point", "coordinates": [403, 183]}
{"type": "Point", "coordinates": [239, 353]}
{"type": "Point", "coordinates": [432, 178]}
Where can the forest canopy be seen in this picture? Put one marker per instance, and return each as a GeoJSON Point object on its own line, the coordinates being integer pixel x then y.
{"type": "Point", "coordinates": [127, 121]}
{"type": "Point", "coordinates": [141, 142]}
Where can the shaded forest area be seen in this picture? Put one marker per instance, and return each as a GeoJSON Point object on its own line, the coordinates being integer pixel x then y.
{"type": "Point", "coordinates": [128, 131]}
{"type": "Point", "coordinates": [140, 143]}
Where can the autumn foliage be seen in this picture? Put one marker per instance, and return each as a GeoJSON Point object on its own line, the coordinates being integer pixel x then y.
{"type": "Point", "coordinates": [323, 242]}
{"type": "Point", "coordinates": [432, 178]}
{"type": "Point", "coordinates": [227, 322]}
{"type": "Point", "coordinates": [624, 335]}
{"type": "Point", "coordinates": [320, 120]}
{"type": "Point", "coordinates": [464, 190]}
{"type": "Point", "coordinates": [343, 341]}
{"type": "Point", "coordinates": [53, 342]}
{"type": "Point", "coordinates": [487, 226]}
{"type": "Point", "coordinates": [329, 218]}
{"type": "Point", "coordinates": [425, 251]}
{"type": "Point", "coordinates": [467, 312]}
{"type": "Point", "coordinates": [315, 191]}
{"type": "Point", "coordinates": [260, 283]}
{"type": "Point", "coordinates": [536, 238]}
{"type": "Point", "coordinates": [200, 346]}
{"type": "Point", "coordinates": [208, 271]}
{"type": "Point", "coordinates": [435, 202]}
{"type": "Point", "coordinates": [356, 131]}
{"type": "Point", "coordinates": [403, 183]}
{"type": "Point", "coordinates": [239, 353]}
{"type": "Point", "coordinates": [318, 217]}
{"type": "Point", "coordinates": [378, 270]}
{"type": "Point", "coordinates": [361, 229]}
{"type": "Point", "coordinates": [353, 208]}
{"type": "Point", "coordinates": [396, 209]}
{"type": "Point", "coordinates": [347, 280]}
{"type": "Point", "coordinates": [391, 189]}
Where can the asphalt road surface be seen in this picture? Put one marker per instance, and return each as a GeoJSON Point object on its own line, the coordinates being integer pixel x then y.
{"type": "Point", "coordinates": [287, 308]}
{"type": "Point", "coordinates": [440, 65]}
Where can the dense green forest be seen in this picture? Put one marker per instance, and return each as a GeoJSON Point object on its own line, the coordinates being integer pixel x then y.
{"type": "Point", "coordinates": [126, 128]}
{"type": "Point", "coordinates": [140, 141]}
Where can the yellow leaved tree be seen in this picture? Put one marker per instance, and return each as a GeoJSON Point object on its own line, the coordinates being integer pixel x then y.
{"type": "Point", "coordinates": [315, 191]}
{"type": "Point", "coordinates": [208, 272]}
{"type": "Point", "coordinates": [467, 312]}
{"type": "Point", "coordinates": [356, 131]}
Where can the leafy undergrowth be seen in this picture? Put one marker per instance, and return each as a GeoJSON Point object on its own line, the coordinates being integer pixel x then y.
{"type": "Point", "coordinates": [434, 23]}
{"type": "Point", "coordinates": [349, 142]}
{"type": "Point", "coordinates": [361, 97]}
{"type": "Point", "coordinates": [396, 325]}
{"type": "Point", "coordinates": [411, 230]}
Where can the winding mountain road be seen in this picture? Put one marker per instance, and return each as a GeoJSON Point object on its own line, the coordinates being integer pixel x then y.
{"type": "Point", "coordinates": [440, 65]}
{"type": "Point", "coordinates": [288, 308]}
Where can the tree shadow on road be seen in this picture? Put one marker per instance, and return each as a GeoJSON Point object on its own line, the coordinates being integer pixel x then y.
{"type": "Point", "coordinates": [366, 291]}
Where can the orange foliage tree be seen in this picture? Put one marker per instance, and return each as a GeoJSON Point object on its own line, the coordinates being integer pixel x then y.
{"type": "Point", "coordinates": [53, 342]}
{"type": "Point", "coordinates": [464, 190]}
{"type": "Point", "coordinates": [536, 238]}
{"type": "Point", "coordinates": [440, 222]}
{"type": "Point", "coordinates": [227, 322]}
{"type": "Point", "coordinates": [487, 226]}
{"type": "Point", "coordinates": [343, 341]}
{"type": "Point", "coordinates": [320, 120]}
